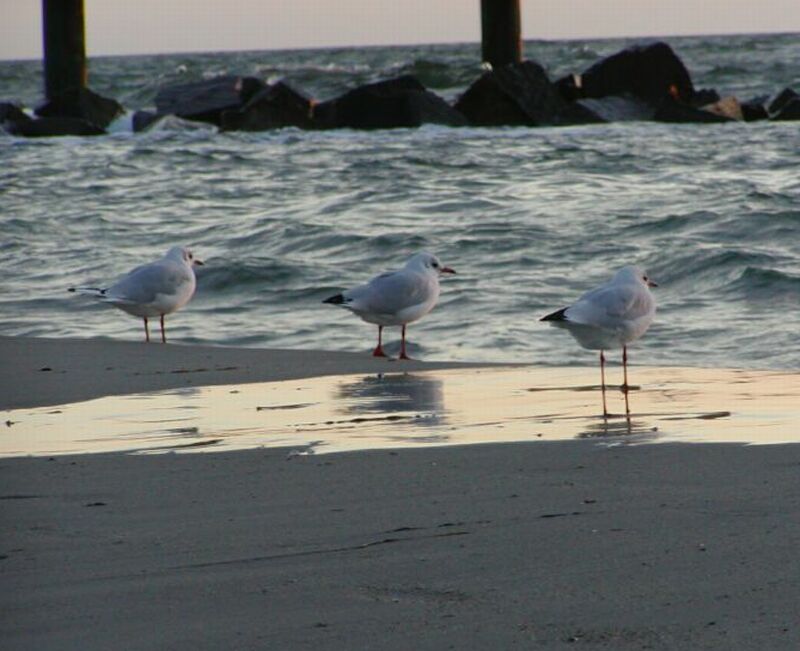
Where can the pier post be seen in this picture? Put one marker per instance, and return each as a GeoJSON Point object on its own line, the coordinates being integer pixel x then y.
{"type": "Point", "coordinates": [501, 32]}
{"type": "Point", "coordinates": [64, 46]}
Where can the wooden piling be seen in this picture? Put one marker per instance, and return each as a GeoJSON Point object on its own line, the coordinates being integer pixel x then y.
{"type": "Point", "coordinates": [64, 46]}
{"type": "Point", "coordinates": [501, 32]}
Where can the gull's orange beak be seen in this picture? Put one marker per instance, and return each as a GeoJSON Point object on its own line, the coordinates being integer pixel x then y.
{"type": "Point", "coordinates": [198, 262]}
{"type": "Point", "coordinates": [447, 270]}
{"type": "Point", "coordinates": [652, 283]}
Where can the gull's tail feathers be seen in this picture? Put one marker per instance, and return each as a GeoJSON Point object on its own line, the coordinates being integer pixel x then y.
{"type": "Point", "coordinates": [338, 299]}
{"type": "Point", "coordinates": [559, 315]}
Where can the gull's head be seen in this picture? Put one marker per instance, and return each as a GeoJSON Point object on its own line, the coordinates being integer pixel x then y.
{"type": "Point", "coordinates": [428, 262]}
{"type": "Point", "coordinates": [634, 274]}
{"type": "Point", "coordinates": [184, 254]}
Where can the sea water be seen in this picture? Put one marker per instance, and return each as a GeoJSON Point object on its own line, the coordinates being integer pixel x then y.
{"type": "Point", "coordinates": [529, 217]}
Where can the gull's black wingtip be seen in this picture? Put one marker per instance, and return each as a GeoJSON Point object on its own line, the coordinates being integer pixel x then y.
{"type": "Point", "coordinates": [338, 299]}
{"type": "Point", "coordinates": [556, 316]}
{"type": "Point", "coordinates": [88, 290]}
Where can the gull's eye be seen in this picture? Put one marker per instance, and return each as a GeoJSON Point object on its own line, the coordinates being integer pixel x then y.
{"type": "Point", "coordinates": [191, 257]}
{"type": "Point", "coordinates": [435, 264]}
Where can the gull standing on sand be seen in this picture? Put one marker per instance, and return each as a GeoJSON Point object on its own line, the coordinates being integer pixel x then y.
{"type": "Point", "coordinates": [396, 298]}
{"type": "Point", "coordinates": [612, 315]}
{"type": "Point", "coordinates": [156, 289]}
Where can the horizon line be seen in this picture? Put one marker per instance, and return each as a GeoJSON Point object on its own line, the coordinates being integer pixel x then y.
{"type": "Point", "coordinates": [477, 43]}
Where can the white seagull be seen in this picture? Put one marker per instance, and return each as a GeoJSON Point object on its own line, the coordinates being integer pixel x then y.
{"type": "Point", "coordinates": [611, 316]}
{"type": "Point", "coordinates": [156, 289]}
{"type": "Point", "coordinates": [396, 298]}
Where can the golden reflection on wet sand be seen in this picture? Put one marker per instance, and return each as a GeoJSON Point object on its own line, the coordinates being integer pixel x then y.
{"type": "Point", "coordinates": [334, 414]}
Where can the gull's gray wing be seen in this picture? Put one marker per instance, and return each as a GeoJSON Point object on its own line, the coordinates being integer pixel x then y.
{"type": "Point", "coordinates": [606, 306]}
{"type": "Point", "coordinates": [389, 293]}
{"type": "Point", "coordinates": [143, 284]}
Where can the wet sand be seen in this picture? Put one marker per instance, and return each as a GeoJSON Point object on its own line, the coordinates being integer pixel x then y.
{"type": "Point", "coordinates": [547, 544]}
{"type": "Point", "coordinates": [423, 408]}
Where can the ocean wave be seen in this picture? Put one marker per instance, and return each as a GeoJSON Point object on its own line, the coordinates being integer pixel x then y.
{"type": "Point", "coordinates": [703, 268]}
{"type": "Point", "coordinates": [765, 285]}
{"type": "Point", "coordinates": [289, 68]}
{"type": "Point", "coordinates": [673, 224]}
{"type": "Point", "coordinates": [239, 275]}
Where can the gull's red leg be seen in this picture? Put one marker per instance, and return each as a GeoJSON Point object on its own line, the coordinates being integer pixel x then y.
{"type": "Point", "coordinates": [627, 407]}
{"type": "Point", "coordinates": [603, 382]}
{"type": "Point", "coordinates": [625, 368]}
{"type": "Point", "coordinates": [146, 331]}
{"type": "Point", "coordinates": [378, 352]}
{"type": "Point", "coordinates": [625, 379]}
{"type": "Point", "coordinates": [403, 344]}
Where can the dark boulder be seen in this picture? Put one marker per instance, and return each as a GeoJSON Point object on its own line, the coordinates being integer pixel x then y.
{"type": "Point", "coordinates": [789, 111]}
{"type": "Point", "coordinates": [393, 103]}
{"type": "Point", "coordinates": [569, 87]}
{"type": "Point", "coordinates": [143, 120]}
{"type": "Point", "coordinates": [14, 120]}
{"type": "Point", "coordinates": [519, 94]}
{"type": "Point", "coordinates": [204, 101]}
{"type": "Point", "coordinates": [12, 116]}
{"type": "Point", "coordinates": [619, 108]}
{"type": "Point", "coordinates": [785, 106]}
{"type": "Point", "coordinates": [83, 104]}
{"type": "Point", "coordinates": [704, 97]}
{"type": "Point", "coordinates": [755, 109]}
{"type": "Point", "coordinates": [673, 111]}
{"type": "Point", "coordinates": [650, 72]}
{"type": "Point", "coordinates": [276, 106]}
{"type": "Point", "coordinates": [780, 100]}
{"type": "Point", "coordinates": [57, 126]}
{"type": "Point", "coordinates": [485, 103]}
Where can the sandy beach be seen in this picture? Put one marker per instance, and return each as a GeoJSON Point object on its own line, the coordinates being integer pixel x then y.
{"type": "Point", "coordinates": [546, 544]}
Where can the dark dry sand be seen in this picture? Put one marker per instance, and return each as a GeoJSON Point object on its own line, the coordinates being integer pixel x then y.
{"type": "Point", "coordinates": [36, 372]}
{"type": "Point", "coordinates": [541, 545]}
{"type": "Point", "coordinates": [533, 545]}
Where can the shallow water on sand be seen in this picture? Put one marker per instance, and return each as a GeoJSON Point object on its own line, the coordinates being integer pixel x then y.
{"type": "Point", "coordinates": [346, 413]}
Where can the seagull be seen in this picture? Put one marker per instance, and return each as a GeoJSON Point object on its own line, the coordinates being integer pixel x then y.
{"type": "Point", "coordinates": [611, 316]}
{"type": "Point", "coordinates": [156, 289]}
{"type": "Point", "coordinates": [396, 298]}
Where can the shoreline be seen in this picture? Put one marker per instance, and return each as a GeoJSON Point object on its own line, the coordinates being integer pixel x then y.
{"type": "Point", "coordinates": [40, 372]}
{"type": "Point", "coordinates": [71, 396]}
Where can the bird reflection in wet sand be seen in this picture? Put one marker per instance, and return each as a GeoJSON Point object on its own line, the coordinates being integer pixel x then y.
{"type": "Point", "coordinates": [418, 396]}
{"type": "Point", "coordinates": [611, 316]}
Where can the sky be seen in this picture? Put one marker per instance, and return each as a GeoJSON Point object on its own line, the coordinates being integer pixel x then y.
{"type": "Point", "coordinates": [155, 26]}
